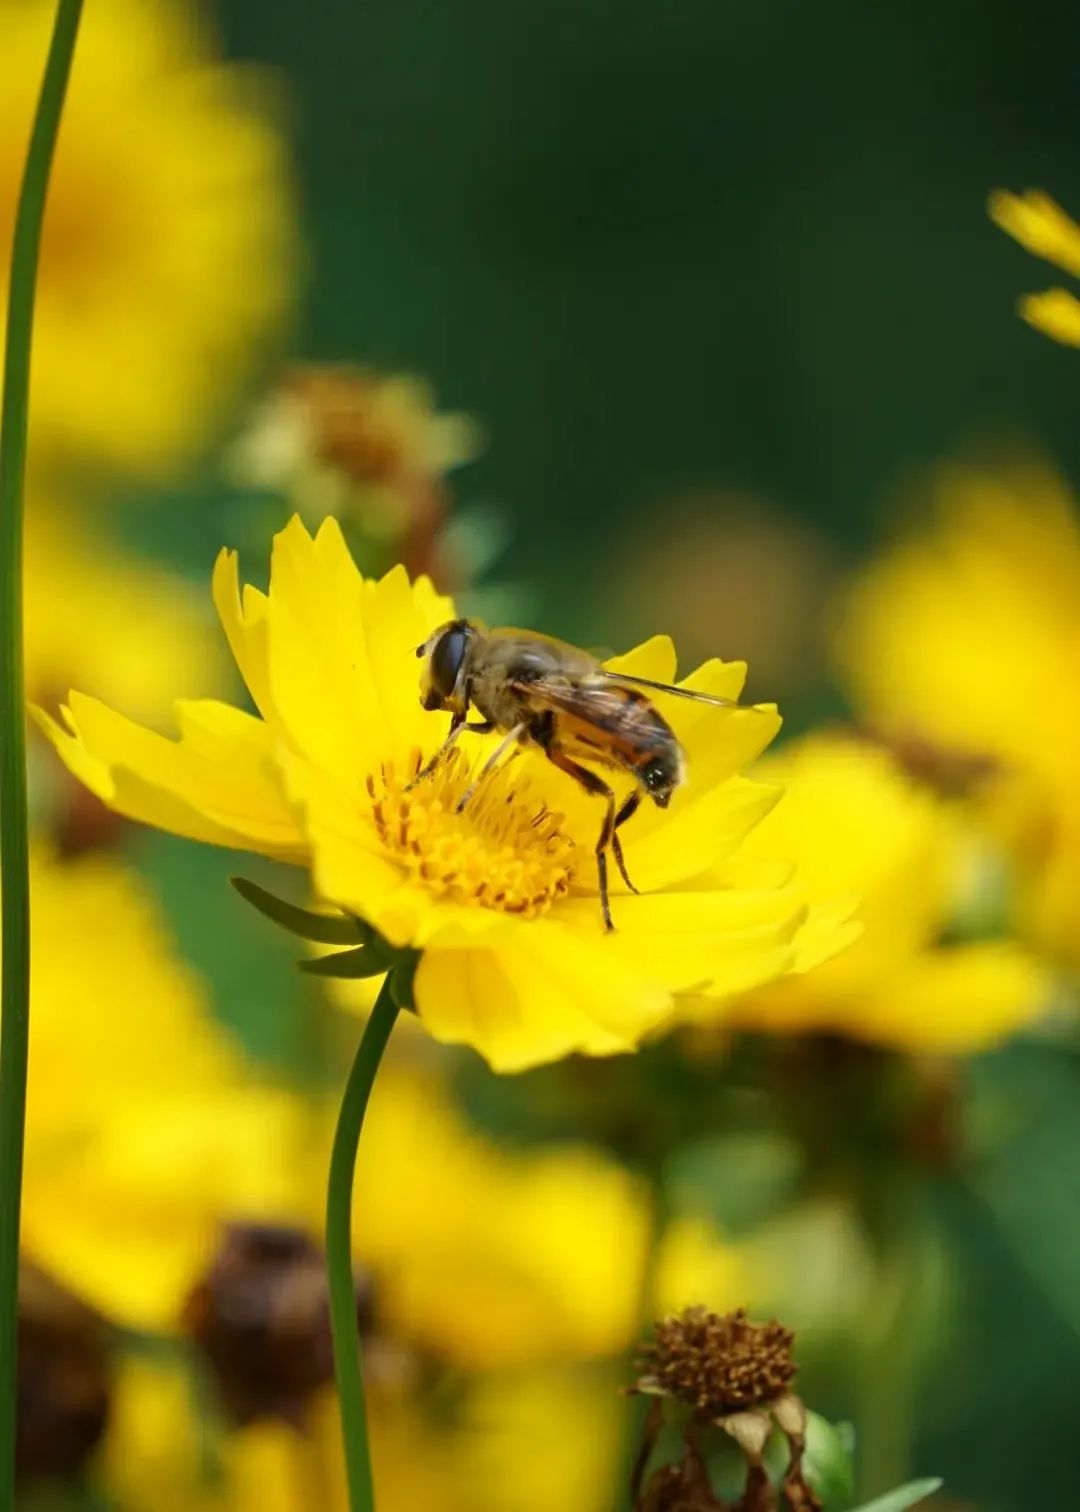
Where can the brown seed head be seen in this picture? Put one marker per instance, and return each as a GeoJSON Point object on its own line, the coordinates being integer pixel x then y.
{"type": "Point", "coordinates": [718, 1364]}
{"type": "Point", "coordinates": [261, 1317]}
{"type": "Point", "coordinates": [64, 1383]}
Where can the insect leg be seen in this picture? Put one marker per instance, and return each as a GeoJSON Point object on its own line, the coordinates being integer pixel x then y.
{"type": "Point", "coordinates": [500, 750]}
{"type": "Point", "coordinates": [457, 724]}
{"type": "Point", "coordinates": [592, 784]}
{"type": "Point", "coordinates": [629, 807]}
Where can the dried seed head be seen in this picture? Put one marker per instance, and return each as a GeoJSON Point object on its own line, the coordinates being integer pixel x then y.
{"type": "Point", "coordinates": [63, 1386]}
{"type": "Point", "coordinates": [718, 1364]}
{"type": "Point", "coordinates": [261, 1316]}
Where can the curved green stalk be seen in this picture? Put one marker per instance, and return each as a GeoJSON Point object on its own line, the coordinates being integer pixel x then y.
{"type": "Point", "coordinates": [14, 858]}
{"type": "Point", "coordinates": [347, 1368]}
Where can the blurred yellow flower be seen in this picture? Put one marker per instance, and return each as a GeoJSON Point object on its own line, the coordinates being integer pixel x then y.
{"type": "Point", "coordinates": [857, 825]}
{"type": "Point", "coordinates": [967, 633]}
{"type": "Point", "coordinates": [488, 1257]}
{"type": "Point", "coordinates": [501, 898]}
{"type": "Point", "coordinates": [515, 1443]}
{"type": "Point", "coordinates": [144, 1129]}
{"type": "Point", "coordinates": [1040, 225]}
{"type": "Point", "coordinates": [167, 259]}
{"type": "Point", "coordinates": [101, 619]}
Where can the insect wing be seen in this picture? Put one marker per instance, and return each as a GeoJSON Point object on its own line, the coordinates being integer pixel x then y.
{"type": "Point", "coordinates": [625, 679]}
{"type": "Point", "coordinates": [596, 714]}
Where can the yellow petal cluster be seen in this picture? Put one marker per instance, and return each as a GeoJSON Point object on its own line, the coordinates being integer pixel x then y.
{"type": "Point", "coordinates": [967, 632]}
{"type": "Point", "coordinates": [167, 260]}
{"type": "Point", "coordinates": [857, 825]}
{"type": "Point", "coordinates": [501, 897]}
{"type": "Point", "coordinates": [1040, 225]}
{"type": "Point", "coordinates": [144, 1129]}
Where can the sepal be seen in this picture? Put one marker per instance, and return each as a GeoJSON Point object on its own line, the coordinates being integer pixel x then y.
{"type": "Point", "coordinates": [323, 929]}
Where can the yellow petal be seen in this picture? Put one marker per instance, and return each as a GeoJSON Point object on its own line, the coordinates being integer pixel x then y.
{"type": "Point", "coordinates": [720, 940]}
{"type": "Point", "coordinates": [654, 659]}
{"type": "Point", "coordinates": [343, 673]}
{"type": "Point", "coordinates": [831, 925]}
{"type": "Point", "coordinates": [699, 830]}
{"type": "Point", "coordinates": [1056, 313]}
{"type": "Point", "coordinates": [243, 618]}
{"type": "Point", "coordinates": [543, 991]}
{"type": "Point", "coordinates": [955, 1001]}
{"type": "Point", "coordinates": [218, 783]}
{"type": "Point", "coordinates": [1040, 225]}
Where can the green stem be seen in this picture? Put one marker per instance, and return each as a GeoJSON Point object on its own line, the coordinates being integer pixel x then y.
{"type": "Point", "coordinates": [14, 849]}
{"type": "Point", "coordinates": [638, 1407]}
{"type": "Point", "coordinates": [339, 1263]}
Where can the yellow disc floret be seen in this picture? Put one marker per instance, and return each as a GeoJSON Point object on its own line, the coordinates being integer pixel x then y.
{"type": "Point", "coordinates": [498, 845]}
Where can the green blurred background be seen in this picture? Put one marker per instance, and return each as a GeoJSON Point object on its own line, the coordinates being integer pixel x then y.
{"type": "Point", "coordinates": [658, 247]}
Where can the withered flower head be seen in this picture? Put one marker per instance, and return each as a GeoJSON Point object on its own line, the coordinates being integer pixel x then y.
{"type": "Point", "coordinates": [367, 446]}
{"type": "Point", "coordinates": [63, 1378]}
{"type": "Point", "coordinates": [736, 1376]}
{"type": "Point", "coordinates": [261, 1316]}
{"type": "Point", "coordinates": [718, 1363]}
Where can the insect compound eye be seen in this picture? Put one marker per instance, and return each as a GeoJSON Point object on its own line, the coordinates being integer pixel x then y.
{"type": "Point", "coordinates": [659, 780]}
{"type": "Point", "coordinates": [446, 657]}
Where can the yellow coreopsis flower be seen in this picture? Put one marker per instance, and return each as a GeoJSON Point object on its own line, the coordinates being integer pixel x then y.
{"type": "Point", "coordinates": [145, 1131]}
{"type": "Point", "coordinates": [966, 633]}
{"type": "Point", "coordinates": [500, 897]}
{"type": "Point", "coordinates": [167, 257]}
{"type": "Point", "coordinates": [1040, 225]}
{"type": "Point", "coordinates": [857, 824]}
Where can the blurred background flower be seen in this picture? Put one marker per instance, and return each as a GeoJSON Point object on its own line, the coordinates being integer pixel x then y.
{"type": "Point", "coordinates": [168, 256]}
{"type": "Point", "coordinates": [964, 634]}
{"type": "Point", "coordinates": [1043, 227]}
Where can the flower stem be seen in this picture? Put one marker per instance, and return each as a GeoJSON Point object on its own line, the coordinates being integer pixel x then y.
{"type": "Point", "coordinates": [347, 1368]}
{"type": "Point", "coordinates": [14, 847]}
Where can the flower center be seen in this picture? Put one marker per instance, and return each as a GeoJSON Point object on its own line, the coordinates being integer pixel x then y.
{"type": "Point", "coordinates": [494, 843]}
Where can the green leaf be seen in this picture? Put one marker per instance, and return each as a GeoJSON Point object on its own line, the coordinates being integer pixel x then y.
{"type": "Point", "coordinates": [829, 1460]}
{"type": "Point", "coordinates": [904, 1496]}
{"type": "Point", "coordinates": [325, 929]}
{"type": "Point", "coordinates": [365, 961]}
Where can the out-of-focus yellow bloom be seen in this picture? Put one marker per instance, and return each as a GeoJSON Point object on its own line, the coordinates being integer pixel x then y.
{"type": "Point", "coordinates": [968, 633]}
{"type": "Point", "coordinates": [143, 1130]}
{"type": "Point", "coordinates": [167, 257]}
{"type": "Point", "coordinates": [696, 1266]}
{"type": "Point", "coordinates": [502, 897]}
{"type": "Point", "coordinates": [1040, 225]}
{"type": "Point", "coordinates": [489, 1257]}
{"type": "Point", "coordinates": [519, 1443]}
{"type": "Point", "coordinates": [101, 619]}
{"type": "Point", "coordinates": [857, 825]}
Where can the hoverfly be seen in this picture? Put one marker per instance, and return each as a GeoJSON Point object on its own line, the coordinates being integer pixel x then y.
{"type": "Point", "coordinates": [544, 694]}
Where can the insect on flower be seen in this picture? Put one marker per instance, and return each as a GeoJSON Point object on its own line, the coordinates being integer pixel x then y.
{"type": "Point", "coordinates": [545, 694]}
